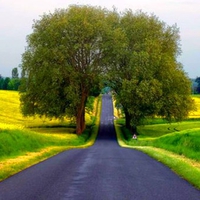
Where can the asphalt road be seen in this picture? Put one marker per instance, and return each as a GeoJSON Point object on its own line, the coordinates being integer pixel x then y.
{"type": "Point", "coordinates": [104, 171]}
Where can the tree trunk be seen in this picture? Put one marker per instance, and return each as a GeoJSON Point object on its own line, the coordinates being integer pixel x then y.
{"type": "Point", "coordinates": [128, 119]}
{"type": "Point", "coordinates": [80, 117]}
{"type": "Point", "coordinates": [133, 128]}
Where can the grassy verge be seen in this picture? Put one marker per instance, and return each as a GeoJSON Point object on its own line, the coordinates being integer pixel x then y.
{"type": "Point", "coordinates": [176, 144]}
{"type": "Point", "coordinates": [11, 166]}
{"type": "Point", "coordinates": [22, 147]}
{"type": "Point", "coordinates": [18, 142]}
{"type": "Point", "coordinates": [188, 169]}
{"type": "Point", "coordinates": [185, 142]}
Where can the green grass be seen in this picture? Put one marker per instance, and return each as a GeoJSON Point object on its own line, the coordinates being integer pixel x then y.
{"type": "Point", "coordinates": [157, 130]}
{"type": "Point", "coordinates": [27, 141]}
{"type": "Point", "coordinates": [181, 138]}
{"type": "Point", "coordinates": [177, 145]}
{"type": "Point", "coordinates": [18, 142]}
{"type": "Point", "coordinates": [20, 149]}
{"type": "Point", "coordinates": [180, 151]}
{"type": "Point", "coordinates": [184, 143]}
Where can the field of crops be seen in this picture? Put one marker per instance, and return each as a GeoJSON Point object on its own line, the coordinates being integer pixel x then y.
{"type": "Point", "coordinates": [11, 117]}
{"type": "Point", "coordinates": [27, 141]}
{"type": "Point", "coordinates": [196, 113]}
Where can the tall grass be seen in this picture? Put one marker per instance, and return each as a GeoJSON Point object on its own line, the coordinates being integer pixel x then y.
{"type": "Point", "coordinates": [184, 143]}
{"type": "Point", "coordinates": [181, 138]}
{"type": "Point", "coordinates": [18, 142]}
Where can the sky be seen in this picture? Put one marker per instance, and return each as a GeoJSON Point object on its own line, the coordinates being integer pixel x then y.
{"type": "Point", "coordinates": [16, 20]}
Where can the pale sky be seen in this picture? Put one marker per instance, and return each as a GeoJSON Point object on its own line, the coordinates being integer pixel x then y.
{"type": "Point", "coordinates": [16, 19]}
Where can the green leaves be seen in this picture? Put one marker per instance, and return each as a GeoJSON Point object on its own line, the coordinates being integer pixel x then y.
{"type": "Point", "coordinates": [71, 50]}
{"type": "Point", "coordinates": [63, 62]}
{"type": "Point", "coordinates": [141, 98]}
{"type": "Point", "coordinates": [146, 77]}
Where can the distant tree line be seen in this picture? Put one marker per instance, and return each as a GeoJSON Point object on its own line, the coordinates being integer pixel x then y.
{"type": "Point", "coordinates": [197, 87]}
{"type": "Point", "coordinates": [12, 83]}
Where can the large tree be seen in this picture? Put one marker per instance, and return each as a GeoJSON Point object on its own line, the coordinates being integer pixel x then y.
{"type": "Point", "coordinates": [146, 77]}
{"type": "Point", "coordinates": [62, 63]}
{"type": "Point", "coordinates": [71, 48]}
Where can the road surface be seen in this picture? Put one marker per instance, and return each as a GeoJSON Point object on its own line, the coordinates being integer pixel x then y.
{"type": "Point", "coordinates": [104, 171]}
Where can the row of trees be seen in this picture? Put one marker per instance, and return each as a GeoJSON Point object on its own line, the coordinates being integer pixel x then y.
{"type": "Point", "coordinates": [197, 88]}
{"type": "Point", "coordinates": [72, 50]}
{"type": "Point", "coordinates": [12, 83]}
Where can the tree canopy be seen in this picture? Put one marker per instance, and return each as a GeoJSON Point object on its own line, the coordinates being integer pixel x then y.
{"type": "Point", "coordinates": [71, 49]}
{"type": "Point", "coordinates": [147, 78]}
{"type": "Point", "coordinates": [63, 62]}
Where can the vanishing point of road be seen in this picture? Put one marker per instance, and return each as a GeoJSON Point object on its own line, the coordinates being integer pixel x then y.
{"type": "Point", "coordinates": [104, 171]}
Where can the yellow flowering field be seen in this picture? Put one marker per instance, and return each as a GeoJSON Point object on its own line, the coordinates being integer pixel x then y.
{"type": "Point", "coordinates": [193, 114]}
{"type": "Point", "coordinates": [9, 108]}
{"type": "Point", "coordinates": [196, 114]}
{"type": "Point", "coordinates": [11, 117]}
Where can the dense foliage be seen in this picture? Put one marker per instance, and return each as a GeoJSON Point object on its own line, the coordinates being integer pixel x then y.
{"type": "Point", "coordinates": [12, 83]}
{"type": "Point", "coordinates": [197, 80]}
{"type": "Point", "coordinates": [71, 49]}
{"type": "Point", "coordinates": [62, 63]}
{"type": "Point", "coordinates": [147, 78]}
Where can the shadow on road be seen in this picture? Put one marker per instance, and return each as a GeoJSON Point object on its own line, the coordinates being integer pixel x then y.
{"type": "Point", "coordinates": [106, 132]}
